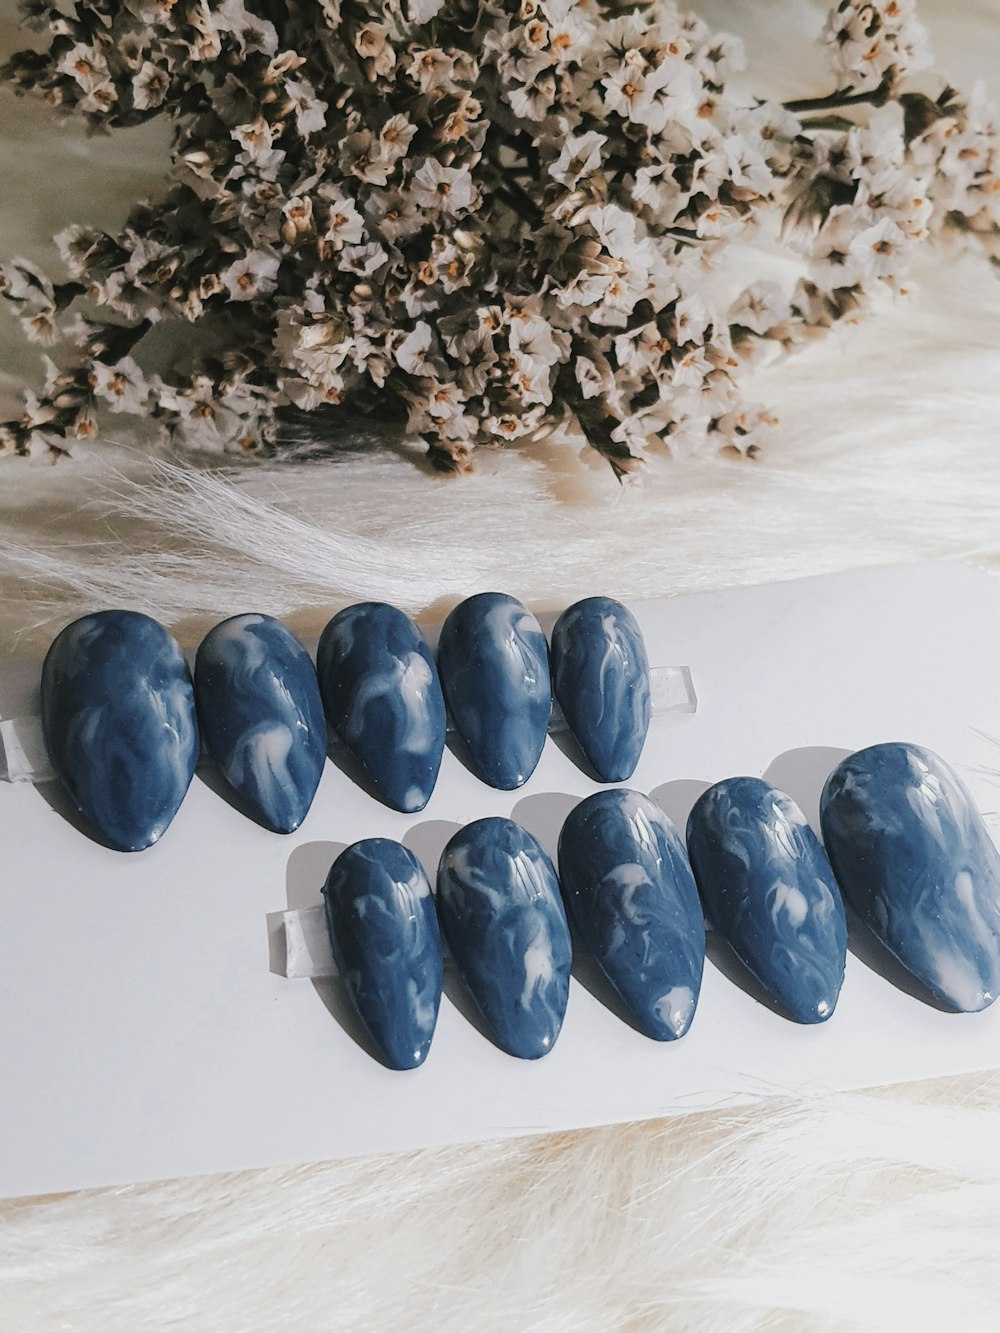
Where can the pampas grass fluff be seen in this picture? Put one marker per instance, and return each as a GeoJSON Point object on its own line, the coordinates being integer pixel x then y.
{"type": "Point", "coordinates": [886, 451]}
{"type": "Point", "coordinates": [861, 1211]}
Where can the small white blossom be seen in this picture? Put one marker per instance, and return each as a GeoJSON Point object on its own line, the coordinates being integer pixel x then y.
{"type": "Point", "coordinates": [371, 41]}
{"type": "Point", "coordinates": [580, 156]}
{"type": "Point", "coordinates": [121, 386]}
{"type": "Point", "coordinates": [760, 308]}
{"type": "Point", "coordinates": [878, 252]}
{"type": "Point", "coordinates": [310, 111]}
{"type": "Point", "coordinates": [448, 189]}
{"type": "Point", "coordinates": [395, 137]}
{"type": "Point", "coordinates": [150, 86]}
{"type": "Point", "coordinates": [345, 225]}
{"type": "Point", "coordinates": [85, 66]}
{"type": "Point", "coordinates": [254, 275]}
{"type": "Point", "coordinates": [411, 354]}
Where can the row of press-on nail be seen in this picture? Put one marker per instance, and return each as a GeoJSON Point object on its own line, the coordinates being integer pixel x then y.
{"type": "Point", "coordinates": [908, 848]}
{"type": "Point", "coordinates": [123, 728]}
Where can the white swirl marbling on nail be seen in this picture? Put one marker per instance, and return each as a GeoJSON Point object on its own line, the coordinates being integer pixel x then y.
{"type": "Point", "coordinates": [118, 714]}
{"type": "Point", "coordinates": [261, 716]}
{"type": "Point", "coordinates": [600, 678]}
{"type": "Point", "coordinates": [498, 900]}
{"type": "Point", "coordinates": [769, 890]}
{"type": "Point", "coordinates": [917, 864]}
{"type": "Point", "coordinates": [494, 667]}
{"type": "Point", "coordinates": [384, 937]}
{"type": "Point", "coordinates": [630, 893]}
{"type": "Point", "coordinates": [383, 698]}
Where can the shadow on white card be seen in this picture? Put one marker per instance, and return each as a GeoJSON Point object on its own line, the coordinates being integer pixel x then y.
{"type": "Point", "coordinates": [802, 773]}
{"type": "Point", "coordinates": [676, 798]}
{"type": "Point", "coordinates": [543, 815]}
{"type": "Point", "coordinates": [427, 840]}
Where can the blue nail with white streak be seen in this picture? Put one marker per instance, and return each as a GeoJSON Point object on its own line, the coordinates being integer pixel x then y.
{"type": "Point", "coordinates": [118, 715]}
{"type": "Point", "coordinates": [494, 667]}
{"type": "Point", "coordinates": [769, 890]}
{"type": "Point", "coordinates": [916, 863]}
{"type": "Point", "coordinates": [631, 896]}
{"type": "Point", "coordinates": [387, 947]}
{"type": "Point", "coordinates": [501, 913]}
{"type": "Point", "coordinates": [261, 716]}
{"type": "Point", "coordinates": [600, 678]}
{"type": "Point", "coordinates": [383, 698]}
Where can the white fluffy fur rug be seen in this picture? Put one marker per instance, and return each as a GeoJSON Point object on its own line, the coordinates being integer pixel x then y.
{"type": "Point", "coordinates": [874, 1211]}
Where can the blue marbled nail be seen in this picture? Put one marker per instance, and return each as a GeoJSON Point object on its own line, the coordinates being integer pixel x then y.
{"type": "Point", "coordinates": [494, 668]}
{"type": "Point", "coordinates": [383, 698]}
{"type": "Point", "coordinates": [261, 716]}
{"type": "Point", "coordinates": [630, 894]}
{"type": "Point", "coordinates": [498, 899]}
{"type": "Point", "coordinates": [600, 678]}
{"type": "Point", "coordinates": [385, 942]}
{"type": "Point", "coordinates": [119, 720]}
{"type": "Point", "coordinates": [769, 889]}
{"type": "Point", "coordinates": [916, 863]}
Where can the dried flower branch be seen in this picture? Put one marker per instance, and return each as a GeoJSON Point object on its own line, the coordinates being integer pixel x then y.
{"type": "Point", "coordinates": [498, 216]}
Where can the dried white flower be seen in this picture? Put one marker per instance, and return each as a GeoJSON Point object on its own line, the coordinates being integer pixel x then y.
{"type": "Point", "coordinates": [150, 86]}
{"type": "Point", "coordinates": [502, 219]}
{"type": "Point", "coordinates": [440, 188]}
{"type": "Point", "coordinates": [875, 41]}
{"type": "Point", "coordinates": [252, 276]}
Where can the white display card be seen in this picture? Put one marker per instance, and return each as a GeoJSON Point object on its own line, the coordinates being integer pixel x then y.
{"type": "Point", "coordinates": [147, 1028]}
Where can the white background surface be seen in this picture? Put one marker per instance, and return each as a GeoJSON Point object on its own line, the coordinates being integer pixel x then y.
{"type": "Point", "coordinates": [152, 1040]}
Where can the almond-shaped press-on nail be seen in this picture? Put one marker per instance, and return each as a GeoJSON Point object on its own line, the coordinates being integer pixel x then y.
{"type": "Point", "coordinates": [383, 698]}
{"type": "Point", "coordinates": [600, 678]}
{"type": "Point", "coordinates": [261, 716]}
{"type": "Point", "coordinates": [498, 900]}
{"type": "Point", "coordinates": [916, 863]}
{"type": "Point", "coordinates": [119, 720]}
{"type": "Point", "coordinates": [494, 667]}
{"type": "Point", "coordinates": [630, 894]}
{"type": "Point", "coordinates": [385, 942]}
{"type": "Point", "coordinates": [769, 890]}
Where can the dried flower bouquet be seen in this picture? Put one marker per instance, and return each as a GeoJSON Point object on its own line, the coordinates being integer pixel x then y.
{"type": "Point", "coordinates": [497, 217]}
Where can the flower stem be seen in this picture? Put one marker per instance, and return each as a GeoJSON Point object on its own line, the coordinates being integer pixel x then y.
{"type": "Point", "coordinates": [877, 97]}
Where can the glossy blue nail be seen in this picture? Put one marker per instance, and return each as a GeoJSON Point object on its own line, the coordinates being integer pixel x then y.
{"type": "Point", "coordinates": [119, 719]}
{"type": "Point", "coordinates": [494, 668]}
{"type": "Point", "coordinates": [498, 899]}
{"type": "Point", "coordinates": [630, 894]}
{"type": "Point", "coordinates": [383, 698]}
{"type": "Point", "coordinates": [769, 889]}
{"type": "Point", "coordinates": [385, 942]}
{"type": "Point", "coordinates": [916, 863]}
{"type": "Point", "coordinates": [261, 716]}
{"type": "Point", "coordinates": [600, 678]}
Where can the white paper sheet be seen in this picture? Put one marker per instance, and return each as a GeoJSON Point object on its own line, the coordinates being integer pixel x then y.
{"type": "Point", "coordinates": [147, 1031]}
